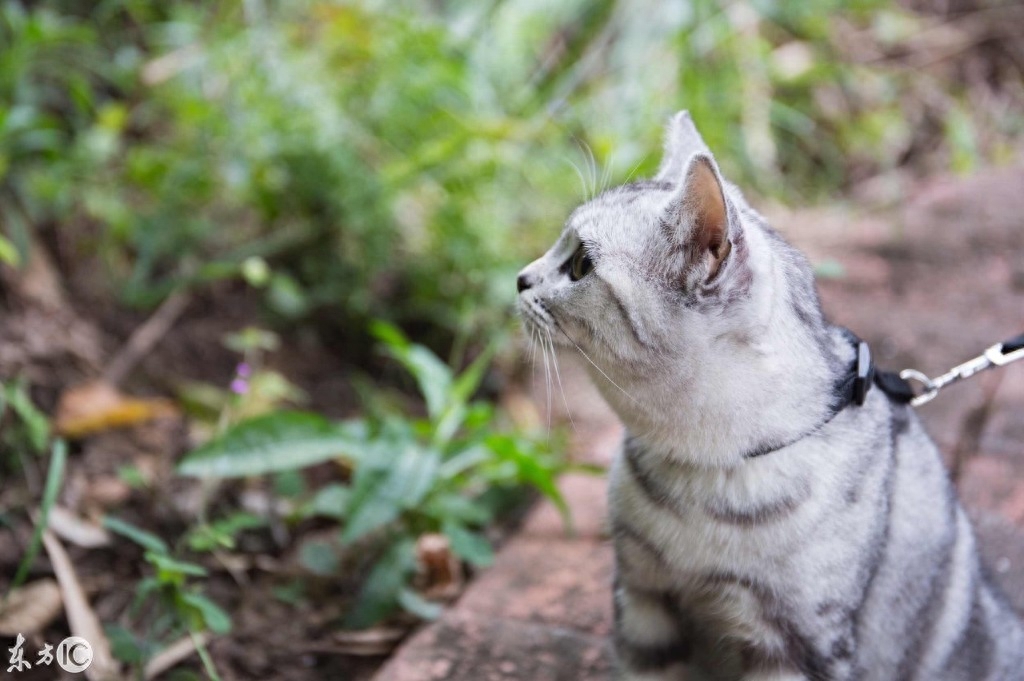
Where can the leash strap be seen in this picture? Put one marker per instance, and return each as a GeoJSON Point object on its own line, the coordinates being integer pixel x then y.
{"type": "Point", "coordinates": [853, 386]}
{"type": "Point", "coordinates": [899, 388]}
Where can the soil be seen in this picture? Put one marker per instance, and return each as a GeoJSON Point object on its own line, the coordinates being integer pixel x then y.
{"type": "Point", "coordinates": [55, 340]}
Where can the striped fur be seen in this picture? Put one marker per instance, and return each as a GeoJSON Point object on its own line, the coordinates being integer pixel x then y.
{"type": "Point", "coordinates": [841, 551]}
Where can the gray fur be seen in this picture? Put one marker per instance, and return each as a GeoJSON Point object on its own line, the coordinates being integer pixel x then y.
{"type": "Point", "coordinates": [842, 552]}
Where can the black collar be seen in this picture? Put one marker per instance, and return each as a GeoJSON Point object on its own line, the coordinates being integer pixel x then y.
{"type": "Point", "coordinates": [850, 388]}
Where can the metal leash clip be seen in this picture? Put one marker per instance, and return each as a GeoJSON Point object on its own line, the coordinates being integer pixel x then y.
{"type": "Point", "coordinates": [998, 355]}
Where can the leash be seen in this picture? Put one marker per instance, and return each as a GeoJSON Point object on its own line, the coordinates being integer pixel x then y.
{"type": "Point", "coordinates": [853, 386]}
{"type": "Point", "coordinates": [899, 388]}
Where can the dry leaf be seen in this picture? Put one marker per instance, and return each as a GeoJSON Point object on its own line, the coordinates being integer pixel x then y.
{"type": "Point", "coordinates": [98, 406]}
{"type": "Point", "coordinates": [30, 608]}
{"type": "Point", "coordinates": [439, 570]}
{"type": "Point", "coordinates": [76, 530]}
{"type": "Point", "coordinates": [170, 656]}
{"type": "Point", "coordinates": [81, 618]}
{"type": "Point", "coordinates": [368, 642]}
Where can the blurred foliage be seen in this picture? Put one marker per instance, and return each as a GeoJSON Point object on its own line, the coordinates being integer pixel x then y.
{"type": "Point", "coordinates": [447, 473]}
{"type": "Point", "coordinates": [402, 160]}
{"type": "Point", "coordinates": [181, 608]}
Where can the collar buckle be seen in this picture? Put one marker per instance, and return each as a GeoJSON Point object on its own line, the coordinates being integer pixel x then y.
{"type": "Point", "coordinates": [865, 374]}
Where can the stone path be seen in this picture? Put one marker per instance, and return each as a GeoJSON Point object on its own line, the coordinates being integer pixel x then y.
{"type": "Point", "coordinates": [928, 284]}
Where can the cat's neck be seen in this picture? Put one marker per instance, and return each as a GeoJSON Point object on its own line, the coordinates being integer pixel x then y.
{"type": "Point", "coordinates": [717, 414]}
{"type": "Point", "coordinates": [754, 390]}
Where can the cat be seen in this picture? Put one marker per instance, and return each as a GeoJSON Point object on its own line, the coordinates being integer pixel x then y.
{"type": "Point", "coordinates": [767, 525]}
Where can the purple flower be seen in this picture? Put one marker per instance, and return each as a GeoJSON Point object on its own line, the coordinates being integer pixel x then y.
{"type": "Point", "coordinates": [243, 370]}
{"type": "Point", "coordinates": [239, 386]}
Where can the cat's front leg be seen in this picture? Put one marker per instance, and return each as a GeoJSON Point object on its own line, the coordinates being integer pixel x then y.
{"type": "Point", "coordinates": [651, 641]}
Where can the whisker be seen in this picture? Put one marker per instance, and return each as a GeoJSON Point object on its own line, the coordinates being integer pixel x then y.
{"type": "Point", "coordinates": [558, 376]}
{"type": "Point", "coordinates": [579, 174]}
{"type": "Point", "coordinates": [593, 170]}
{"type": "Point", "coordinates": [533, 349]}
{"type": "Point", "coordinates": [606, 175]}
{"type": "Point", "coordinates": [547, 381]}
{"type": "Point", "coordinates": [635, 168]}
{"type": "Point", "coordinates": [593, 364]}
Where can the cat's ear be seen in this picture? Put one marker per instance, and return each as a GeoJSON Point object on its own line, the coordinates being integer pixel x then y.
{"type": "Point", "coordinates": [698, 213]}
{"type": "Point", "coordinates": [682, 141]}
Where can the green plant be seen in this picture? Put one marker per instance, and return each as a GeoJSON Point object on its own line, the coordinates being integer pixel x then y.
{"type": "Point", "coordinates": [182, 607]}
{"type": "Point", "coordinates": [28, 429]}
{"type": "Point", "coordinates": [401, 160]}
{"type": "Point", "coordinates": [54, 478]}
{"type": "Point", "coordinates": [449, 471]}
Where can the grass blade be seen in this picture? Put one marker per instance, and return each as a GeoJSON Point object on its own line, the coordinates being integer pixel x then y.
{"type": "Point", "coordinates": [54, 478]}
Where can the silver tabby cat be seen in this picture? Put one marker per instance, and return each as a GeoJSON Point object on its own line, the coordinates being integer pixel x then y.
{"type": "Point", "coordinates": [765, 527]}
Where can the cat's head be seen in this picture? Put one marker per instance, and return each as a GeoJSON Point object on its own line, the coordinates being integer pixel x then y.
{"type": "Point", "coordinates": [666, 282]}
{"type": "Point", "coordinates": [647, 268]}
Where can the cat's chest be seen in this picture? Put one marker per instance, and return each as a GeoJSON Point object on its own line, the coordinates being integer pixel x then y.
{"type": "Point", "coordinates": [689, 524]}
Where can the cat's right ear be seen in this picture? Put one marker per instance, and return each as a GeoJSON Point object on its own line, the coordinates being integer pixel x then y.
{"type": "Point", "coordinates": [682, 142]}
{"type": "Point", "coordinates": [698, 215]}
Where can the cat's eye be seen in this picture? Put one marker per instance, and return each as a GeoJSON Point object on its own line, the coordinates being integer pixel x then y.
{"type": "Point", "coordinates": [580, 264]}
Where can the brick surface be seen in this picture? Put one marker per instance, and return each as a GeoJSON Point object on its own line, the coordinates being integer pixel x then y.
{"type": "Point", "coordinates": [585, 496]}
{"type": "Point", "coordinates": [995, 484]}
{"type": "Point", "coordinates": [560, 583]}
{"type": "Point", "coordinates": [468, 647]}
{"type": "Point", "coordinates": [1002, 550]}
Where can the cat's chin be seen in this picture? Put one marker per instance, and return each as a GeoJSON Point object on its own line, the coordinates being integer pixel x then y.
{"type": "Point", "coordinates": [534, 322]}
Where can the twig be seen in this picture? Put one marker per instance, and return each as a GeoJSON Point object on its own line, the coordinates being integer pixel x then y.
{"type": "Point", "coordinates": [177, 652]}
{"type": "Point", "coordinates": [145, 337]}
{"type": "Point", "coordinates": [82, 618]}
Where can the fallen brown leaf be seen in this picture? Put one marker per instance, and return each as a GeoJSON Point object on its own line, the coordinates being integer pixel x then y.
{"type": "Point", "coordinates": [170, 656]}
{"type": "Point", "coordinates": [368, 642]}
{"type": "Point", "coordinates": [97, 406]}
{"type": "Point", "coordinates": [76, 530]}
{"type": "Point", "coordinates": [82, 620]}
{"type": "Point", "coordinates": [30, 608]}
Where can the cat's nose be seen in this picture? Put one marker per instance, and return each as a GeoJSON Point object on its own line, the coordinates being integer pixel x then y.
{"type": "Point", "coordinates": [523, 282]}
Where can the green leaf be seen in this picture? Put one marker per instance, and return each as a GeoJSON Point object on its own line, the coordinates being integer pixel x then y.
{"type": "Point", "coordinates": [125, 646]}
{"type": "Point", "coordinates": [319, 557]}
{"type": "Point", "coordinates": [275, 442]}
{"type": "Point", "coordinates": [379, 596]}
{"type": "Point", "coordinates": [330, 502]}
{"type": "Point", "coordinates": [292, 592]}
{"type": "Point", "coordinates": [289, 484]}
{"type": "Point", "coordinates": [464, 460]}
{"type": "Point", "coordinates": [530, 470]}
{"type": "Point", "coordinates": [379, 495]}
{"type": "Point", "coordinates": [454, 506]}
{"type": "Point", "coordinates": [469, 380]}
{"type": "Point", "coordinates": [145, 539]}
{"type": "Point", "coordinates": [414, 603]}
{"type": "Point", "coordinates": [207, 537]}
{"type": "Point", "coordinates": [171, 570]}
{"type": "Point", "coordinates": [432, 375]}
{"type": "Point", "coordinates": [54, 478]}
{"type": "Point", "coordinates": [8, 253]}
{"type": "Point", "coordinates": [36, 423]}
{"type": "Point", "coordinates": [389, 334]}
{"type": "Point", "coordinates": [213, 617]}
{"type": "Point", "coordinates": [471, 546]}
